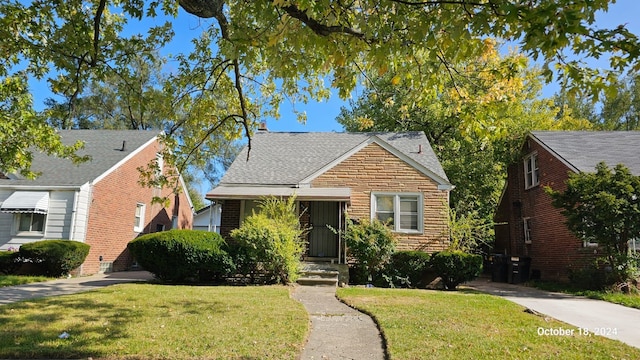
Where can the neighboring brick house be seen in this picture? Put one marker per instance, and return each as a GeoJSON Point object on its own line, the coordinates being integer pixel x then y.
{"type": "Point", "coordinates": [527, 224]}
{"type": "Point", "coordinates": [98, 202]}
{"type": "Point", "coordinates": [363, 175]}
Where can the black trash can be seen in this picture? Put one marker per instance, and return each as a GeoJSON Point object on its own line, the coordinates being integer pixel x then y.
{"type": "Point", "coordinates": [499, 268]}
{"type": "Point", "coordinates": [518, 269]}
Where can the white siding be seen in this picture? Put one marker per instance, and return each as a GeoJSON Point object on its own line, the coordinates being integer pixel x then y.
{"type": "Point", "coordinates": [6, 221]}
{"type": "Point", "coordinates": [58, 224]}
{"type": "Point", "coordinates": [201, 220]}
{"type": "Point", "coordinates": [58, 220]}
{"type": "Point", "coordinates": [79, 230]}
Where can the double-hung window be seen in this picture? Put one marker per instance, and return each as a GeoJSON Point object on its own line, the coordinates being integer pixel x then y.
{"type": "Point", "coordinates": [531, 171]}
{"type": "Point", "coordinates": [400, 211]}
{"type": "Point", "coordinates": [138, 223]}
{"type": "Point", "coordinates": [30, 223]}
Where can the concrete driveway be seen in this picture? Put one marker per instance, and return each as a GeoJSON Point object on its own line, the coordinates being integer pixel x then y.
{"type": "Point", "coordinates": [73, 285]}
{"type": "Point", "coordinates": [598, 317]}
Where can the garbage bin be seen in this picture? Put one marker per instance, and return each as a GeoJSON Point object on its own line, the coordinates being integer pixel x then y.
{"type": "Point", "coordinates": [499, 268]}
{"type": "Point", "coordinates": [518, 269]}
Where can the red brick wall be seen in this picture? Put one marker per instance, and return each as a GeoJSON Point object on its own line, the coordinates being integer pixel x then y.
{"type": "Point", "coordinates": [375, 169]}
{"type": "Point", "coordinates": [112, 212]}
{"type": "Point", "coordinates": [553, 249]}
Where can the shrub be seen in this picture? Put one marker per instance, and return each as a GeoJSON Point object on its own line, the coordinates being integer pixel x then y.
{"type": "Point", "coordinates": [181, 255]}
{"type": "Point", "coordinates": [406, 269]}
{"type": "Point", "coordinates": [456, 267]}
{"type": "Point", "coordinates": [268, 247]}
{"type": "Point", "coordinates": [55, 257]}
{"type": "Point", "coordinates": [9, 262]}
{"type": "Point", "coordinates": [370, 244]}
{"type": "Point", "coordinates": [270, 242]}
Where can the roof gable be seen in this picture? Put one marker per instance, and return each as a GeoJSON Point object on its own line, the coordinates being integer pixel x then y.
{"type": "Point", "coordinates": [295, 159]}
{"type": "Point", "coordinates": [583, 150]}
{"type": "Point", "coordinates": [105, 147]}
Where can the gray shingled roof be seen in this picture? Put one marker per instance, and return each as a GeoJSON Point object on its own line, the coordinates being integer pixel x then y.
{"type": "Point", "coordinates": [585, 149]}
{"type": "Point", "coordinates": [286, 158]}
{"type": "Point", "coordinates": [102, 145]}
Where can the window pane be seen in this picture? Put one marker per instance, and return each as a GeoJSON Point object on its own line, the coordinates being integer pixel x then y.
{"type": "Point", "coordinates": [384, 203]}
{"type": "Point", "coordinates": [38, 222]}
{"type": "Point", "coordinates": [385, 217]}
{"type": "Point", "coordinates": [25, 222]}
{"type": "Point", "coordinates": [408, 204]}
{"type": "Point", "coordinates": [409, 222]}
{"type": "Point", "coordinates": [138, 210]}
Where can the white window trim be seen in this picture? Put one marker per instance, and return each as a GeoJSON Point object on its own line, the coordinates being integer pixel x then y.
{"type": "Point", "coordinates": [16, 225]}
{"type": "Point", "coordinates": [139, 228]}
{"type": "Point", "coordinates": [396, 210]}
{"type": "Point", "coordinates": [526, 227]}
{"type": "Point", "coordinates": [535, 178]}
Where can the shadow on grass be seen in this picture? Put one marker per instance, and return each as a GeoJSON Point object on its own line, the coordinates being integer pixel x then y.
{"type": "Point", "coordinates": [32, 329]}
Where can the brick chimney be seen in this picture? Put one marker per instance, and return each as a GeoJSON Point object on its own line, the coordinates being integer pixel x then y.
{"type": "Point", "coordinates": [263, 126]}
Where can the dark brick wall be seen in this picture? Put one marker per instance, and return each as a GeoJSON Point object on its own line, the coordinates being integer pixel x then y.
{"type": "Point", "coordinates": [553, 249]}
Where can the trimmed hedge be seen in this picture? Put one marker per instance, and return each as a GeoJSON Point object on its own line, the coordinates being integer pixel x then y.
{"type": "Point", "coordinates": [456, 267]}
{"type": "Point", "coordinates": [181, 255]}
{"type": "Point", "coordinates": [54, 257]}
{"type": "Point", "coordinates": [9, 262]}
{"type": "Point", "coordinates": [406, 269]}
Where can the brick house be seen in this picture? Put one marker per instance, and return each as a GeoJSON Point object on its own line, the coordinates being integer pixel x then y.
{"type": "Point", "coordinates": [365, 175]}
{"type": "Point", "coordinates": [527, 224]}
{"type": "Point", "coordinates": [98, 202]}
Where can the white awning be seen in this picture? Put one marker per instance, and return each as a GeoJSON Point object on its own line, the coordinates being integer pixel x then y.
{"type": "Point", "coordinates": [26, 202]}
{"type": "Point", "coordinates": [254, 192]}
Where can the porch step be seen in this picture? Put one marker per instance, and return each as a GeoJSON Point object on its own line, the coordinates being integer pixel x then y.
{"type": "Point", "coordinates": [319, 278]}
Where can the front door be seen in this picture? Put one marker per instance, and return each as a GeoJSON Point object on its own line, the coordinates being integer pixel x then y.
{"type": "Point", "coordinates": [323, 241]}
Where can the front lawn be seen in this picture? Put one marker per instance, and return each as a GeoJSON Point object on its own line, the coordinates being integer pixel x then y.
{"type": "Point", "coordinates": [420, 324]}
{"type": "Point", "coordinates": [147, 321]}
{"type": "Point", "coordinates": [12, 280]}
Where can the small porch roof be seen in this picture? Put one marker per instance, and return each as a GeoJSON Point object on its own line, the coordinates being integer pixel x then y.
{"type": "Point", "coordinates": [253, 192]}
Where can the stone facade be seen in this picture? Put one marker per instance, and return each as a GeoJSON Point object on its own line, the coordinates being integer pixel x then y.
{"type": "Point", "coordinates": [374, 169]}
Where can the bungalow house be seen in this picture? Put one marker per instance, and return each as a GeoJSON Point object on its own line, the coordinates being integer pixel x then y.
{"type": "Point", "coordinates": [389, 176]}
{"type": "Point", "coordinates": [98, 202]}
{"type": "Point", "coordinates": [527, 224]}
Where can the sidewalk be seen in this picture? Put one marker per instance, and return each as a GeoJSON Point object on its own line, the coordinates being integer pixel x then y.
{"type": "Point", "coordinates": [614, 321]}
{"type": "Point", "coordinates": [73, 285]}
{"type": "Point", "coordinates": [337, 331]}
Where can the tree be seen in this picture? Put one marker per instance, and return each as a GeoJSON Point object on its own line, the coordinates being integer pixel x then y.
{"type": "Point", "coordinates": [252, 55]}
{"type": "Point", "coordinates": [604, 208]}
{"type": "Point", "coordinates": [619, 110]}
{"type": "Point", "coordinates": [22, 131]}
{"type": "Point", "coordinates": [475, 126]}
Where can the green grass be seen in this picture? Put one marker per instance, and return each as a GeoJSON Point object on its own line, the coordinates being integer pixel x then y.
{"type": "Point", "coordinates": [147, 321]}
{"type": "Point", "coordinates": [12, 280]}
{"type": "Point", "coordinates": [419, 324]}
{"type": "Point", "coordinates": [631, 300]}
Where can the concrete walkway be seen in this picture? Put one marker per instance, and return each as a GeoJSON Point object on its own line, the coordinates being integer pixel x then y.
{"type": "Point", "coordinates": [74, 285]}
{"type": "Point", "coordinates": [611, 320]}
{"type": "Point", "coordinates": [337, 331]}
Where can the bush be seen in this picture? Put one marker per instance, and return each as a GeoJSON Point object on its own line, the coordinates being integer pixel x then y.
{"type": "Point", "coordinates": [370, 244]}
{"type": "Point", "coordinates": [55, 257]}
{"type": "Point", "coordinates": [9, 262]}
{"type": "Point", "coordinates": [456, 267]}
{"type": "Point", "coordinates": [181, 255]}
{"type": "Point", "coordinates": [267, 247]}
{"type": "Point", "coordinates": [269, 243]}
{"type": "Point", "coordinates": [406, 269]}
